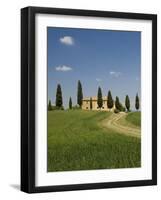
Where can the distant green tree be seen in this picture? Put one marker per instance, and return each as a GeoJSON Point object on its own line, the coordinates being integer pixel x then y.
{"type": "Point", "coordinates": [127, 103]}
{"type": "Point", "coordinates": [117, 104]}
{"type": "Point", "coordinates": [79, 94]}
{"type": "Point", "coordinates": [49, 105]}
{"type": "Point", "coordinates": [90, 103]}
{"type": "Point", "coordinates": [59, 99]}
{"type": "Point", "coordinates": [137, 104]}
{"type": "Point", "coordinates": [70, 103]}
{"type": "Point", "coordinates": [109, 100]}
{"type": "Point", "coordinates": [99, 98]}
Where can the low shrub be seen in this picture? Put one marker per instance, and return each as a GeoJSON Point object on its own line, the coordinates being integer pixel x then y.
{"type": "Point", "coordinates": [57, 108]}
{"type": "Point", "coordinates": [122, 108]}
{"type": "Point", "coordinates": [76, 107]}
{"type": "Point", "coordinates": [116, 110]}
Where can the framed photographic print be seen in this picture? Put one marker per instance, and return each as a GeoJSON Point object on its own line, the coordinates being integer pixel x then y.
{"type": "Point", "coordinates": [88, 99]}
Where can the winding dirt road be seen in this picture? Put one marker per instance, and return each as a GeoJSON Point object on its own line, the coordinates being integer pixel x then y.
{"type": "Point", "coordinates": [117, 122]}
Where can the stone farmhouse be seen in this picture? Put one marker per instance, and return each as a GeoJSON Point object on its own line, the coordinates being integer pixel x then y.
{"type": "Point", "coordinates": [86, 104]}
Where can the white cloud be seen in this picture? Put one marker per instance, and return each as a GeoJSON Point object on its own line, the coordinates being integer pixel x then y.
{"type": "Point", "coordinates": [67, 40]}
{"type": "Point", "coordinates": [63, 68]}
{"type": "Point", "coordinates": [115, 74]}
{"type": "Point", "coordinates": [98, 79]}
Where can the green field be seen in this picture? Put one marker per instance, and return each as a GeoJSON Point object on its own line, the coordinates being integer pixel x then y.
{"type": "Point", "coordinates": [134, 118]}
{"type": "Point", "coordinates": [76, 141]}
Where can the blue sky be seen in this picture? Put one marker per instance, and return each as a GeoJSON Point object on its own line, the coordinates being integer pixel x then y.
{"type": "Point", "coordinates": [105, 58]}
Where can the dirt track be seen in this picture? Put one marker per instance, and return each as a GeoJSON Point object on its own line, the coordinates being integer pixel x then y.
{"type": "Point", "coordinates": [115, 122]}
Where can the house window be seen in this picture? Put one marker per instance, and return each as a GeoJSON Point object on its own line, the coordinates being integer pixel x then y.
{"type": "Point", "coordinates": [103, 107]}
{"type": "Point", "coordinates": [86, 108]}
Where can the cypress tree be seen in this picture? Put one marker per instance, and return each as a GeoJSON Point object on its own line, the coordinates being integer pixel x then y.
{"type": "Point", "coordinates": [79, 94]}
{"type": "Point", "coordinates": [49, 105]}
{"type": "Point", "coordinates": [99, 98]}
{"type": "Point", "coordinates": [109, 100]}
{"type": "Point", "coordinates": [59, 99]}
{"type": "Point", "coordinates": [127, 103]}
{"type": "Point", "coordinates": [90, 103]}
{"type": "Point", "coordinates": [70, 103]}
{"type": "Point", "coordinates": [137, 104]}
{"type": "Point", "coordinates": [117, 103]}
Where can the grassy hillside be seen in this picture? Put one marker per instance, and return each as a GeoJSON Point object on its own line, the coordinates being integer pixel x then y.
{"type": "Point", "coordinates": [77, 142]}
{"type": "Point", "coordinates": [134, 118]}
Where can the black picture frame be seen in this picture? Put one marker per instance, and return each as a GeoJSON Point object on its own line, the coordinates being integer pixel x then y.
{"type": "Point", "coordinates": [28, 98]}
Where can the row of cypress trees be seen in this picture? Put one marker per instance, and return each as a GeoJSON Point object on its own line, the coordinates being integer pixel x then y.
{"type": "Point", "coordinates": [110, 102]}
{"type": "Point", "coordinates": [59, 98]}
{"type": "Point", "coordinates": [118, 105]}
